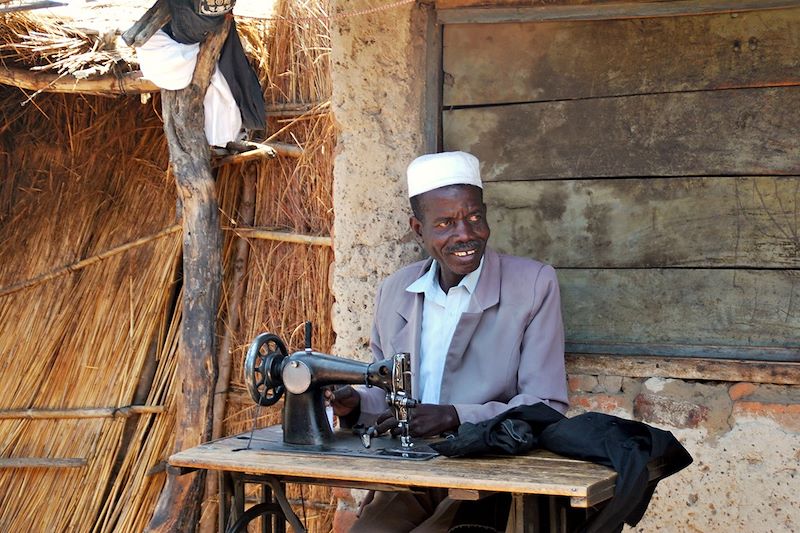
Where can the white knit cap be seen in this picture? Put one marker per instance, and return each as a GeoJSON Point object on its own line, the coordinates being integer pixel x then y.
{"type": "Point", "coordinates": [432, 171]}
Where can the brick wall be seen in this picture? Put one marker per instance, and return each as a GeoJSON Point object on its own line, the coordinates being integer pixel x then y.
{"type": "Point", "coordinates": [744, 437]}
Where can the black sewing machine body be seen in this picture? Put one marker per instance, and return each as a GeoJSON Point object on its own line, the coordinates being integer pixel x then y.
{"type": "Point", "coordinates": [303, 376]}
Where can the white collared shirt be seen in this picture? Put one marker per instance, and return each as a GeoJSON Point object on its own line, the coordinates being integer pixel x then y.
{"type": "Point", "coordinates": [440, 315]}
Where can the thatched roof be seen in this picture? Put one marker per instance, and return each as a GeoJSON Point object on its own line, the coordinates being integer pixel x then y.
{"type": "Point", "coordinates": [78, 47]}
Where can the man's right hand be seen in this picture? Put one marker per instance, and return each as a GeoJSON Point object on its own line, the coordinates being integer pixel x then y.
{"type": "Point", "coordinates": [343, 400]}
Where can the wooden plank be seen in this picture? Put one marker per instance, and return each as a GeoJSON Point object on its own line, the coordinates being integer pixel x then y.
{"type": "Point", "coordinates": [715, 313]}
{"type": "Point", "coordinates": [468, 494]}
{"type": "Point", "coordinates": [554, 61]}
{"type": "Point", "coordinates": [623, 223]}
{"type": "Point", "coordinates": [550, 5]}
{"type": "Point", "coordinates": [685, 368]}
{"type": "Point", "coordinates": [433, 77]}
{"type": "Point", "coordinates": [484, 12]}
{"type": "Point", "coordinates": [736, 132]}
{"type": "Point", "coordinates": [537, 473]}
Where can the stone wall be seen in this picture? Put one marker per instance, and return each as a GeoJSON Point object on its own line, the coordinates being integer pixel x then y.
{"type": "Point", "coordinates": [745, 438]}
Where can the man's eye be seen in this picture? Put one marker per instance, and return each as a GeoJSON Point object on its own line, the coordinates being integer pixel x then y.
{"type": "Point", "coordinates": [475, 218]}
{"type": "Point", "coordinates": [442, 224]}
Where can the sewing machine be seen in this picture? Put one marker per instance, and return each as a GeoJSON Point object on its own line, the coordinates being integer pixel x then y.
{"type": "Point", "coordinates": [303, 376]}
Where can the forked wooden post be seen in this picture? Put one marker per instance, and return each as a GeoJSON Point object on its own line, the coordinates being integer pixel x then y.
{"type": "Point", "coordinates": [179, 503]}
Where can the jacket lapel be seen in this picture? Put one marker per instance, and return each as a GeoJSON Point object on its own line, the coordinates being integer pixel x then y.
{"type": "Point", "coordinates": [408, 338]}
{"type": "Point", "coordinates": [487, 294]}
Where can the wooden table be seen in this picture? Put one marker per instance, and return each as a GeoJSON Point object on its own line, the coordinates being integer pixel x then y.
{"type": "Point", "coordinates": [548, 490]}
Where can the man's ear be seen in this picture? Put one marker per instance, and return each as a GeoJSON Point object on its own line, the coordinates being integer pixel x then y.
{"type": "Point", "coordinates": [416, 225]}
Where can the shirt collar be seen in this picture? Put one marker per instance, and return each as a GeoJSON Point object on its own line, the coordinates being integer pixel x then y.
{"type": "Point", "coordinates": [430, 281]}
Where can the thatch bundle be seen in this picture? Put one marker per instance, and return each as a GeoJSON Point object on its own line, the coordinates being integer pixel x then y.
{"type": "Point", "coordinates": [83, 176]}
{"type": "Point", "coordinates": [42, 43]}
{"type": "Point", "coordinates": [89, 301]}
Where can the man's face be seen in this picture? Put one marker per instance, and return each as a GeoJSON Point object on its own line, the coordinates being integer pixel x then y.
{"type": "Point", "coordinates": [453, 229]}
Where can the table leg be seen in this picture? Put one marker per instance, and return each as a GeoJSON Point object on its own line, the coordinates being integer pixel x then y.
{"type": "Point", "coordinates": [539, 514]}
{"type": "Point", "coordinates": [237, 509]}
{"type": "Point", "coordinates": [266, 497]}
{"type": "Point", "coordinates": [525, 516]}
{"type": "Point", "coordinates": [225, 483]}
{"type": "Point", "coordinates": [274, 522]}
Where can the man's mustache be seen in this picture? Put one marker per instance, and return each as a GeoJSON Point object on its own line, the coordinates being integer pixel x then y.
{"type": "Point", "coordinates": [463, 247]}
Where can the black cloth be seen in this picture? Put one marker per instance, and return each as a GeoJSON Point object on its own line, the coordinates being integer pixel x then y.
{"type": "Point", "coordinates": [512, 432]}
{"type": "Point", "coordinates": [187, 26]}
{"type": "Point", "coordinates": [243, 82]}
{"type": "Point", "coordinates": [627, 446]}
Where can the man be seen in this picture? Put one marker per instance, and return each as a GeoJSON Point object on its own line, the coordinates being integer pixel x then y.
{"type": "Point", "coordinates": [484, 330]}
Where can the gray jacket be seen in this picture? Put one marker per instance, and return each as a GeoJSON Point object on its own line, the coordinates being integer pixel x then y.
{"type": "Point", "coordinates": [507, 349]}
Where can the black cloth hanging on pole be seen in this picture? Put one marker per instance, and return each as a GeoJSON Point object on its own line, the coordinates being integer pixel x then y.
{"type": "Point", "coordinates": [188, 26]}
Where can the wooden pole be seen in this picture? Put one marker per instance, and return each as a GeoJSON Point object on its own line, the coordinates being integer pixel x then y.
{"type": "Point", "coordinates": [106, 85]}
{"type": "Point", "coordinates": [42, 462]}
{"type": "Point", "coordinates": [247, 210]}
{"type": "Point", "coordinates": [282, 236]}
{"type": "Point", "coordinates": [145, 27]}
{"type": "Point", "coordinates": [91, 412]}
{"type": "Point", "coordinates": [179, 503]}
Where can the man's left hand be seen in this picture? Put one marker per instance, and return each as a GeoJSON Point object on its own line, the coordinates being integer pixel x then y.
{"type": "Point", "coordinates": [425, 420]}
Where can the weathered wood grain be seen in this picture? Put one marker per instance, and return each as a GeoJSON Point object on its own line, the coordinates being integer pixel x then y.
{"type": "Point", "coordinates": [544, 5]}
{"type": "Point", "coordinates": [618, 223]}
{"type": "Point", "coordinates": [685, 368]}
{"type": "Point", "coordinates": [42, 462]}
{"type": "Point", "coordinates": [540, 472]}
{"type": "Point", "coordinates": [178, 504]}
{"type": "Point", "coordinates": [493, 11]}
{"type": "Point", "coordinates": [684, 312]}
{"type": "Point", "coordinates": [567, 60]}
{"type": "Point", "coordinates": [708, 133]}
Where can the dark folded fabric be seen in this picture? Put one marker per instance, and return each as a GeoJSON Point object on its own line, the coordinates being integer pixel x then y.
{"type": "Point", "coordinates": [625, 445]}
{"type": "Point", "coordinates": [513, 432]}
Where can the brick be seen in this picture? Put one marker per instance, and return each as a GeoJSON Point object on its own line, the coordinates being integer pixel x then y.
{"type": "Point", "coordinates": [603, 403]}
{"type": "Point", "coordinates": [343, 520]}
{"type": "Point", "coordinates": [610, 384]}
{"type": "Point", "coordinates": [343, 494]}
{"type": "Point", "coordinates": [581, 382]}
{"type": "Point", "coordinates": [740, 390]}
{"type": "Point", "coordinates": [654, 408]}
{"type": "Point", "coordinates": [787, 415]}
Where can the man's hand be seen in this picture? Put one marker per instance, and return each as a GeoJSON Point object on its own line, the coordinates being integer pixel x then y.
{"type": "Point", "coordinates": [343, 400]}
{"type": "Point", "coordinates": [425, 420]}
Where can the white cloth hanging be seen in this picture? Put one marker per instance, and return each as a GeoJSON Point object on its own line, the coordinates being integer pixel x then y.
{"type": "Point", "coordinates": [170, 65]}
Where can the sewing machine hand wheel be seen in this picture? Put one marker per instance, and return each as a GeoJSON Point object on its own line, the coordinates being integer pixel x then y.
{"type": "Point", "coordinates": [262, 368]}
